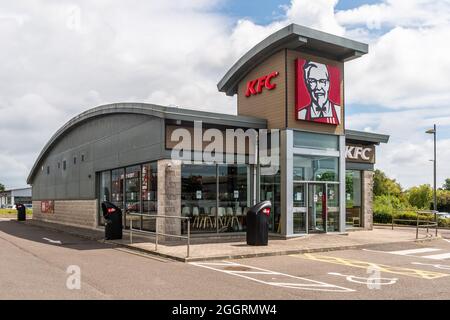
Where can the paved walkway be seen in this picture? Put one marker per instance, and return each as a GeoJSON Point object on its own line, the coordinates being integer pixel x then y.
{"type": "Point", "coordinates": [237, 248]}
{"type": "Point", "coordinates": [308, 243]}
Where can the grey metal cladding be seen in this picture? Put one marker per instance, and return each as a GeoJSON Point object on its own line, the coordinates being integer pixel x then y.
{"type": "Point", "coordinates": [110, 136]}
{"type": "Point", "coordinates": [92, 141]}
{"type": "Point", "coordinates": [111, 141]}
{"type": "Point", "coordinates": [291, 37]}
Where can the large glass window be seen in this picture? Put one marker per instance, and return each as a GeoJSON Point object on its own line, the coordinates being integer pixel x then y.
{"type": "Point", "coordinates": [233, 197]}
{"type": "Point", "coordinates": [199, 196]}
{"type": "Point", "coordinates": [353, 198]}
{"type": "Point", "coordinates": [105, 192]}
{"type": "Point", "coordinates": [124, 188]}
{"type": "Point", "coordinates": [117, 177]}
{"type": "Point", "coordinates": [299, 213]}
{"type": "Point", "coordinates": [149, 193]}
{"type": "Point", "coordinates": [332, 207]}
{"type": "Point", "coordinates": [316, 168]}
{"type": "Point", "coordinates": [216, 197]}
{"type": "Point", "coordinates": [132, 191]}
{"type": "Point", "coordinates": [149, 189]}
{"type": "Point", "coordinates": [315, 141]}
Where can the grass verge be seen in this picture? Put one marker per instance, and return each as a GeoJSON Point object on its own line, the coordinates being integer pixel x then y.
{"type": "Point", "coordinates": [10, 212]}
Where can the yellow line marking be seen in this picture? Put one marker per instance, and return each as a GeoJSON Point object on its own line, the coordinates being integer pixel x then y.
{"type": "Point", "coordinates": [417, 273]}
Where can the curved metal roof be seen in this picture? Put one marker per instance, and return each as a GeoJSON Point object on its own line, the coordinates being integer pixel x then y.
{"type": "Point", "coordinates": [294, 37]}
{"type": "Point", "coordinates": [150, 110]}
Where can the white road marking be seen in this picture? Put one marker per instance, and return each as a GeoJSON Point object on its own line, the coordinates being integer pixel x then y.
{"type": "Point", "coordinates": [253, 272]}
{"type": "Point", "coordinates": [413, 251]}
{"type": "Point", "coordinates": [225, 263]}
{"type": "Point", "coordinates": [305, 284]}
{"type": "Point", "coordinates": [438, 256]}
{"type": "Point", "coordinates": [52, 241]}
{"type": "Point", "coordinates": [364, 280]}
{"type": "Point", "coordinates": [446, 240]}
{"type": "Point", "coordinates": [437, 266]}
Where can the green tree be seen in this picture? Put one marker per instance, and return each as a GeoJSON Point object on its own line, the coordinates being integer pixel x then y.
{"type": "Point", "coordinates": [387, 203]}
{"type": "Point", "coordinates": [446, 185]}
{"type": "Point", "coordinates": [420, 196]}
{"type": "Point", "coordinates": [382, 185]}
{"type": "Point", "coordinates": [443, 200]}
{"type": "Point", "coordinates": [2, 187]}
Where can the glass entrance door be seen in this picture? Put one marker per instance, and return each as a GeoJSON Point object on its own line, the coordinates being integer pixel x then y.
{"type": "Point", "coordinates": [299, 207]}
{"type": "Point", "coordinates": [317, 207]}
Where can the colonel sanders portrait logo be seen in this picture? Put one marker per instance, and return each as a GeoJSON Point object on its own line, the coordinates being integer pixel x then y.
{"type": "Point", "coordinates": [318, 94]}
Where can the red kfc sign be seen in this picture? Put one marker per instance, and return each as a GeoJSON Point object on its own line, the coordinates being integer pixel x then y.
{"type": "Point", "coordinates": [317, 92]}
{"type": "Point", "coordinates": [256, 86]}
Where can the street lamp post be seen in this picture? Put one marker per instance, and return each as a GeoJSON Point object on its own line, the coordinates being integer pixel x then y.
{"type": "Point", "coordinates": [433, 132]}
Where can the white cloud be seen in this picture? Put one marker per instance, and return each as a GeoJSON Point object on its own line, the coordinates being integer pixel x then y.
{"type": "Point", "coordinates": [409, 161]}
{"type": "Point", "coordinates": [406, 67]}
{"type": "Point", "coordinates": [12, 170]}
{"type": "Point", "coordinates": [317, 14]}
{"type": "Point", "coordinates": [397, 13]}
{"type": "Point", "coordinates": [61, 58]}
{"type": "Point", "coordinates": [405, 71]}
{"type": "Point", "coordinates": [64, 57]}
{"type": "Point", "coordinates": [406, 156]}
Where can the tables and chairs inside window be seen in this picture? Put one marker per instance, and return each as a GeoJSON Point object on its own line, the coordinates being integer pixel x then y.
{"type": "Point", "coordinates": [215, 197]}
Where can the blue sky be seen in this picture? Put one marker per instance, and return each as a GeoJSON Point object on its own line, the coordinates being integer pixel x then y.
{"type": "Point", "coordinates": [261, 12]}
{"type": "Point", "coordinates": [265, 11]}
{"type": "Point", "coordinates": [350, 4]}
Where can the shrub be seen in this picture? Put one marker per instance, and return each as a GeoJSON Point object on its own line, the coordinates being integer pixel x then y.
{"type": "Point", "coordinates": [382, 217]}
{"type": "Point", "coordinates": [411, 216]}
{"type": "Point", "coordinates": [386, 217]}
{"type": "Point", "coordinates": [444, 222]}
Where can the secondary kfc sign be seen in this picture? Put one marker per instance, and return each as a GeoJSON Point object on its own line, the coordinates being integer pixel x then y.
{"type": "Point", "coordinates": [360, 153]}
{"type": "Point", "coordinates": [317, 92]}
{"type": "Point", "coordinates": [256, 86]}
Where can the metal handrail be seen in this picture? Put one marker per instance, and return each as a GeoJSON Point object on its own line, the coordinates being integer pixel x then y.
{"type": "Point", "coordinates": [157, 233]}
{"type": "Point", "coordinates": [429, 224]}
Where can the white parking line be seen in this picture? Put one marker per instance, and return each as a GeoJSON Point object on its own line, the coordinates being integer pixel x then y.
{"type": "Point", "coordinates": [438, 256]}
{"type": "Point", "coordinates": [413, 251]}
{"type": "Point", "coordinates": [288, 281]}
{"type": "Point", "coordinates": [437, 266]}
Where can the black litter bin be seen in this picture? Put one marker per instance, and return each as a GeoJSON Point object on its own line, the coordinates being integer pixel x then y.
{"type": "Point", "coordinates": [113, 221]}
{"type": "Point", "coordinates": [21, 212]}
{"type": "Point", "coordinates": [258, 224]}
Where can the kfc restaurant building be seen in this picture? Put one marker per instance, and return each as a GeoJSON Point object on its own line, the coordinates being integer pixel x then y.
{"type": "Point", "coordinates": [290, 84]}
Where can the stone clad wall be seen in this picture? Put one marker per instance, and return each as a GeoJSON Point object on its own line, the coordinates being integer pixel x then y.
{"type": "Point", "coordinates": [368, 199]}
{"type": "Point", "coordinates": [79, 213]}
{"type": "Point", "coordinates": [169, 196]}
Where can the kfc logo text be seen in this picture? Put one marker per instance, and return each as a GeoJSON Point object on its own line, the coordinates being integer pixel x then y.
{"type": "Point", "coordinates": [359, 153]}
{"type": "Point", "coordinates": [256, 86]}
